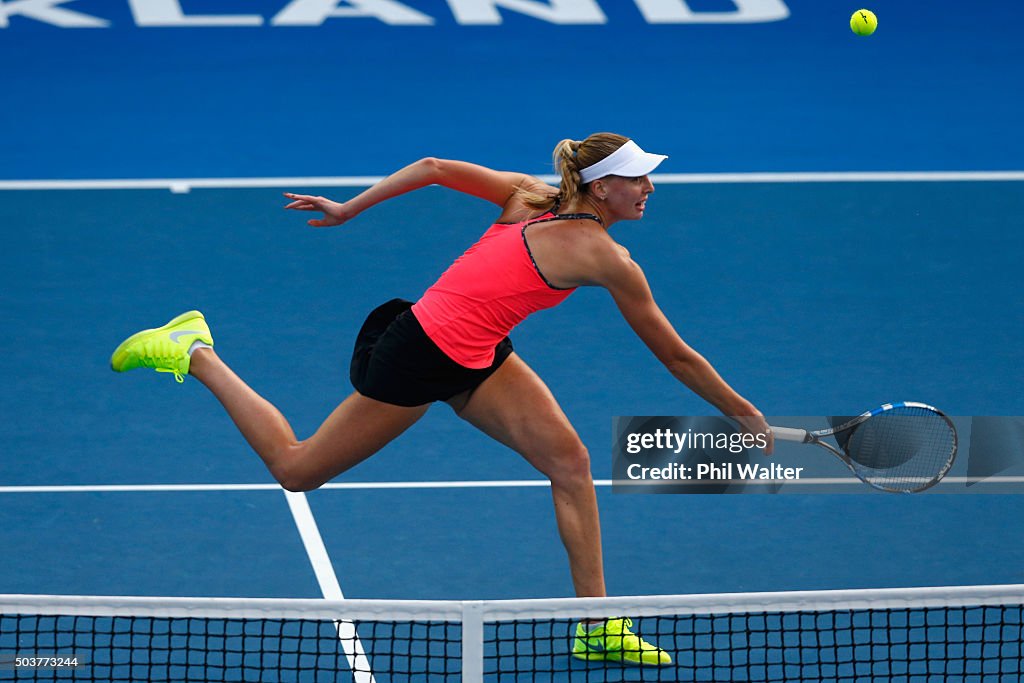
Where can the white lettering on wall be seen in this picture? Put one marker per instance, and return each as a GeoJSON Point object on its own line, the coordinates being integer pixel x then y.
{"type": "Point", "coordinates": [555, 11]}
{"type": "Point", "coordinates": [169, 13]}
{"type": "Point", "coordinates": [316, 12]}
{"type": "Point", "coordinates": [678, 12]}
{"type": "Point", "coordinates": [48, 12]}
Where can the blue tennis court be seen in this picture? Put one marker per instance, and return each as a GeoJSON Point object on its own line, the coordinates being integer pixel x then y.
{"type": "Point", "coordinates": [143, 175]}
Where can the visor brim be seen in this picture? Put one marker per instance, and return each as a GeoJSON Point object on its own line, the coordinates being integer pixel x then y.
{"type": "Point", "coordinates": [640, 166]}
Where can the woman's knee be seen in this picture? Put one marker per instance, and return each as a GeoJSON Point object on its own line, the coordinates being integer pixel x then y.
{"type": "Point", "coordinates": [293, 473]}
{"type": "Point", "coordinates": [571, 465]}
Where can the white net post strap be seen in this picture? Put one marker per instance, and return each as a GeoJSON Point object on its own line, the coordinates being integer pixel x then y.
{"type": "Point", "coordinates": [472, 642]}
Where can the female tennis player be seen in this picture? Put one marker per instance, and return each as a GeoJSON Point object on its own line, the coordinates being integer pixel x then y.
{"type": "Point", "coordinates": [452, 344]}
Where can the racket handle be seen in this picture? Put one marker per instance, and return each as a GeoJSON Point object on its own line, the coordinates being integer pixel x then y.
{"type": "Point", "coordinates": [789, 434]}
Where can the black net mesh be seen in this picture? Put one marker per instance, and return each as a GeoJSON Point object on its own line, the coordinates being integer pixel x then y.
{"type": "Point", "coordinates": [981, 644]}
{"type": "Point", "coordinates": [194, 649]}
{"type": "Point", "coordinates": [839, 643]}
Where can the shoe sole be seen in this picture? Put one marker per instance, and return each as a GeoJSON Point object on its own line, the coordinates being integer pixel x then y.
{"type": "Point", "coordinates": [620, 659]}
{"type": "Point", "coordinates": [119, 352]}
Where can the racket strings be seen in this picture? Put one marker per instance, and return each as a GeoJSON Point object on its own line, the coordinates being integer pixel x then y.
{"type": "Point", "coordinates": [903, 449]}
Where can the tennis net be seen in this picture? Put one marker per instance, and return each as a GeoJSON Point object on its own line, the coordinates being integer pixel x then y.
{"type": "Point", "coordinates": [917, 634]}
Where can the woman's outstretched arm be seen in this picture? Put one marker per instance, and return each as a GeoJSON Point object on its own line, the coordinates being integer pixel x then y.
{"type": "Point", "coordinates": [625, 281]}
{"type": "Point", "coordinates": [497, 187]}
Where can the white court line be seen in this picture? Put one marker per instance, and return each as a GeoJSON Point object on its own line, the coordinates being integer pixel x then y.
{"type": "Point", "coordinates": [185, 185]}
{"type": "Point", "coordinates": [839, 177]}
{"type": "Point", "coordinates": [813, 481]}
{"type": "Point", "coordinates": [115, 488]}
{"type": "Point", "coordinates": [482, 484]}
{"type": "Point", "coordinates": [329, 586]}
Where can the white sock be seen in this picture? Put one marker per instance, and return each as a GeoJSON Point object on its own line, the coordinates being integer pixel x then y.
{"type": "Point", "coordinates": [198, 345]}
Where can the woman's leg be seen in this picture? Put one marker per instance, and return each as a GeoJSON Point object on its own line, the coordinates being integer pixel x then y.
{"type": "Point", "coordinates": [515, 407]}
{"type": "Point", "coordinates": [357, 428]}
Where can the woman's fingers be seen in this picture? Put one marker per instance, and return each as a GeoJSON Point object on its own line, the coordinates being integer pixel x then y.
{"type": "Point", "coordinates": [304, 202]}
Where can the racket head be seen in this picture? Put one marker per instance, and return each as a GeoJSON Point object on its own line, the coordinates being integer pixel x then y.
{"type": "Point", "coordinates": [900, 447]}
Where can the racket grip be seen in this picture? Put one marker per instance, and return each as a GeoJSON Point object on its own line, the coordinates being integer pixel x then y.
{"type": "Point", "coordinates": [789, 434]}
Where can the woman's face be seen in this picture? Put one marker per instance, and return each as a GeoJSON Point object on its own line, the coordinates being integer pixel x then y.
{"type": "Point", "coordinates": [625, 198]}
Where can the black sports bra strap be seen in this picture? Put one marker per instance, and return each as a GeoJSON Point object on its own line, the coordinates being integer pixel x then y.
{"type": "Point", "coordinates": [562, 217]}
{"type": "Point", "coordinates": [578, 216]}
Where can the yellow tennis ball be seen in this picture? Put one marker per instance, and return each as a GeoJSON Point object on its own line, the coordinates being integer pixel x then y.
{"type": "Point", "coordinates": [863, 22]}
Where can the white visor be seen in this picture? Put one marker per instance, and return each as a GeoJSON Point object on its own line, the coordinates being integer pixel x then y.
{"type": "Point", "coordinates": [628, 161]}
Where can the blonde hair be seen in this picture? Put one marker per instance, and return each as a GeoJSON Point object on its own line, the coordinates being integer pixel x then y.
{"type": "Point", "coordinates": [570, 157]}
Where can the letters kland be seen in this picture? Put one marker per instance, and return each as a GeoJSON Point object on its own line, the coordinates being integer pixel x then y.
{"type": "Point", "coordinates": [169, 13]}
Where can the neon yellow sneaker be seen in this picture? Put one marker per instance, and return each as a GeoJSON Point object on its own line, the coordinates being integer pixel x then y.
{"type": "Point", "coordinates": [614, 642]}
{"type": "Point", "coordinates": [165, 349]}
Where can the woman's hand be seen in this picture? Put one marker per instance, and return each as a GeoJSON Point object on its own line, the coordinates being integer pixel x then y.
{"type": "Point", "coordinates": [334, 213]}
{"type": "Point", "coordinates": [757, 425]}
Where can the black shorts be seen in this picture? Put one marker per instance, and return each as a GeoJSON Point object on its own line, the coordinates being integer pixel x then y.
{"type": "Point", "coordinates": [394, 360]}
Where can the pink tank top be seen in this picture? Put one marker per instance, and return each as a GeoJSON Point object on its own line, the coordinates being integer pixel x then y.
{"type": "Point", "coordinates": [489, 290]}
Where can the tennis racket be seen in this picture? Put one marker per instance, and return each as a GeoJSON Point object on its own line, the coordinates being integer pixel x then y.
{"type": "Point", "coordinates": [899, 447]}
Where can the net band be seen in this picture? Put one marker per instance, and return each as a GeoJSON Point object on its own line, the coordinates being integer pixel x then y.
{"type": "Point", "coordinates": [506, 610]}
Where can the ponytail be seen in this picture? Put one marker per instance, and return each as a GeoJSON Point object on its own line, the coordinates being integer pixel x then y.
{"type": "Point", "coordinates": [570, 157]}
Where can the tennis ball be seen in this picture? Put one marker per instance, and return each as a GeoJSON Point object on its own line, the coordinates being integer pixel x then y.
{"type": "Point", "coordinates": [863, 22]}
